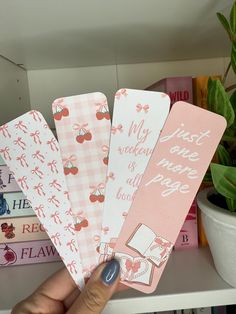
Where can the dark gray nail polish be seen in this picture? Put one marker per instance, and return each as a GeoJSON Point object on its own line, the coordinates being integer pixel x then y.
{"type": "Point", "coordinates": [110, 272]}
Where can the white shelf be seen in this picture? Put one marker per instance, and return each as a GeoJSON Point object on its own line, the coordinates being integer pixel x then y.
{"type": "Point", "coordinates": [189, 281]}
{"type": "Point", "coordinates": [86, 33]}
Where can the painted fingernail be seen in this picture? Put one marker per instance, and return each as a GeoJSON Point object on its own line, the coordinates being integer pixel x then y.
{"type": "Point", "coordinates": [110, 272]}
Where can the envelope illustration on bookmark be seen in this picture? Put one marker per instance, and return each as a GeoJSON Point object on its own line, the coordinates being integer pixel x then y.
{"type": "Point", "coordinates": [138, 118]}
{"type": "Point", "coordinates": [32, 154]}
{"type": "Point", "coordinates": [171, 180]}
{"type": "Point", "coordinates": [83, 129]}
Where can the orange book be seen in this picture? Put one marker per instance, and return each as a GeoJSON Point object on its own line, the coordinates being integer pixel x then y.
{"type": "Point", "coordinates": [200, 90]}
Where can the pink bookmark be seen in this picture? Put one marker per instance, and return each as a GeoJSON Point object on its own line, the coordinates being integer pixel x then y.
{"type": "Point", "coordinates": [171, 180]}
{"type": "Point", "coordinates": [34, 158]}
{"type": "Point", "coordinates": [83, 129]}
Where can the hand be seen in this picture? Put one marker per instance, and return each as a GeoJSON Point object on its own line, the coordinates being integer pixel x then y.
{"type": "Point", "coordinates": [60, 295]}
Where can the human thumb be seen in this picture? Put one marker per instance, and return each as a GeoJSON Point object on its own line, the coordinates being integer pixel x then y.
{"type": "Point", "coordinates": [98, 289]}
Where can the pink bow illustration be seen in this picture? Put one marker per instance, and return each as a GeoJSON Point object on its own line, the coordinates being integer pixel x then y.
{"type": "Point", "coordinates": [110, 176]}
{"type": "Point", "coordinates": [35, 115]}
{"type": "Point", "coordinates": [69, 160]}
{"type": "Point", "coordinates": [5, 131]}
{"type": "Point", "coordinates": [139, 108]}
{"type": "Point", "coordinates": [5, 152]}
{"type": "Point", "coordinates": [21, 126]}
{"type": "Point", "coordinates": [121, 92]}
{"type": "Point", "coordinates": [102, 106]}
{"type": "Point", "coordinates": [116, 129]}
{"type": "Point", "coordinates": [97, 188]}
{"type": "Point", "coordinates": [133, 266]}
{"type": "Point", "coordinates": [81, 127]}
{"type": "Point", "coordinates": [160, 243]}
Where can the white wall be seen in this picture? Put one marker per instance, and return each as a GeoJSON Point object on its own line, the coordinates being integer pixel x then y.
{"type": "Point", "coordinates": [46, 85]}
{"type": "Point", "coordinates": [14, 91]}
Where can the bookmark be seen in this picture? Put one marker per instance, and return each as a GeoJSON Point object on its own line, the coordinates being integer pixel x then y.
{"type": "Point", "coordinates": [83, 129]}
{"type": "Point", "coordinates": [34, 158]}
{"type": "Point", "coordinates": [171, 180]}
{"type": "Point", "coordinates": [138, 118]}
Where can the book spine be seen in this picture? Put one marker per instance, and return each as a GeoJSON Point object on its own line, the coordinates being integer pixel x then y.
{"type": "Point", "coordinates": [188, 236]}
{"type": "Point", "coordinates": [179, 89]}
{"type": "Point", "coordinates": [14, 205]}
{"type": "Point", "coordinates": [21, 229]}
{"type": "Point", "coordinates": [7, 181]}
{"type": "Point", "coordinates": [31, 252]}
{"type": "Point", "coordinates": [200, 90]}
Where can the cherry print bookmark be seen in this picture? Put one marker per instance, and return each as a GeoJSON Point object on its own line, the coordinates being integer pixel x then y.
{"type": "Point", "coordinates": [171, 180]}
{"type": "Point", "coordinates": [83, 129]}
{"type": "Point", "coordinates": [138, 118]}
{"type": "Point", "coordinates": [34, 158]}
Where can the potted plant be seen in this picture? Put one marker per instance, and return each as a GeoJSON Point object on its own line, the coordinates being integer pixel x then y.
{"type": "Point", "coordinates": [218, 204]}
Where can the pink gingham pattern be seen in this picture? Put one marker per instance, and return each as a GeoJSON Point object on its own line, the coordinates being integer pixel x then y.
{"type": "Point", "coordinates": [83, 129]}
{"type": "Point", "coordinates": [37, 167]}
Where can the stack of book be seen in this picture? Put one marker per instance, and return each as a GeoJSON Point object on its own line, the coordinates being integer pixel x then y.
{"type": "Point", "coordinates": [23, 239]}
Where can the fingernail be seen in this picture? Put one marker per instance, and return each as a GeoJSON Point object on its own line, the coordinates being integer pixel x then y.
{"type": "Point", "coordinates": [110, 272]}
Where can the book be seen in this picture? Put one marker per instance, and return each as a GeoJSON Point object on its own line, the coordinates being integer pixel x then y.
{"type": "Point", "coordinates": [7, 181]}
{"type": "Point", "coordinates": [21, 229]}
{"type": "Point", "coordinates": [31, 252]}
{"type": "Point", "coordinates": [188, 236]}
{"type": "Point", "coordinates": [178, 88]}
{"type": "Point", "coordinates": [200, 90]}
{"type": "Point", "coordinates": [15, 205]}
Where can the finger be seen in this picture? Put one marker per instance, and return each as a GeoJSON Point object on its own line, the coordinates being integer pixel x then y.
{"type": "Point", "coordinates": [98, 290]}
{"type": "Point", "coordinates": [59, 286]}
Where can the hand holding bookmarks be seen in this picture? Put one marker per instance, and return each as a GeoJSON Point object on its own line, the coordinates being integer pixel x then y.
{"type": "Point", "coordinates": [169, 184]}
{"type": "Point", "coordinates": [160, 190]}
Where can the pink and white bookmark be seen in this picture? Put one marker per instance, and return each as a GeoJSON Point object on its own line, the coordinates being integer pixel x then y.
{"type": "Point", "coordinates": [138, 118]}
{"type": "Point", "coordinates": [83, 129]}
{"type": "Point", "coordinates": [171, 180]}
{"type": "Point", "coordinates": [34, 158]}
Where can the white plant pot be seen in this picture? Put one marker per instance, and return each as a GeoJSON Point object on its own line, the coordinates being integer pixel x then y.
{"type": "Point", "coordinates": [220, 228]}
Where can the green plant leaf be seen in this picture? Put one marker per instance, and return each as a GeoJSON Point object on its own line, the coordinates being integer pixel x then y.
{"type": "Point", "coordinates": [218, 101]}
{"type": "Point", "coordinates": [207, 178]}
{"type": "Point", "coordinates": [223, 156]}
{"type": "Point", "coordinates": [233, 100]}
{"type": "Point", "coordinates": [233, 56]}
{"type": "Point", "coordinates": [225, 24]}
{"type": "Point", "coordinates": [228, 138]}
{"type": "Point", "coordinates": [231, 204]}
{"type": "Point", "coordinates": [233, 18]}
{"type": "Point", "coordinates": [224, 180]}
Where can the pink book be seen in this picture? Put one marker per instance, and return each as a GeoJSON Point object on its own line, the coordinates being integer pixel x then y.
{"type": "Point", "coordinates": [188, 236]}
{"type": "Point", "coordinates": [30, 252]}
{"type": "Point", "coordinates": [178, 88]}
{"type": "Point", "coordinates": [21, 229]}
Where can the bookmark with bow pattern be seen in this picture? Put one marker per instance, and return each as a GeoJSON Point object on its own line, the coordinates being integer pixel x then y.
{"type": "Point", "coordinates": [33, 156]}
